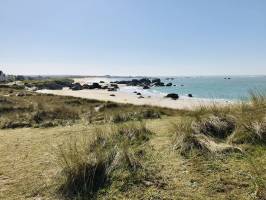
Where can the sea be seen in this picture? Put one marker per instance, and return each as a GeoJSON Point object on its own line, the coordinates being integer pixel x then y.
{"type": "Point", "coordinates": [209, 87]}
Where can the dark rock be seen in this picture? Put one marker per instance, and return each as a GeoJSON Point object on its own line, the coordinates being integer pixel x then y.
{"type": "Point", "coordinates": [76, 86]}
{"type": "Point", "coordinates": [182, 85]}
{"type": "Point", "coordinates": [112, 95]}
{"type": "Point", "coordinates": [112, 89]}
{"type": "Point", "coordinates": [141, 97]}
{"type": "Point", "coordinates": [190, 95]}
{"type": "Point", "coordinates": [105, 87]}
{"type": "Point", "coordinates": [145, 87]}
{"type": "Point", "coordinates": [135, 92]}
{"type": "Point", "coordinates": [138, 93]}
{"type": "Point", "coordinates": [172, 96]}
{"type": "Point", "coordinates": [145, 81]}
{"type": "Point", "coordinates": [96, 86]}
{"type": "Point", "coordinates": [156, 80]}
{"type": "Point", "coordinates": [85, 86]}
{"type": "Point", "coordinates": [169, 84]}
{"type": "Point", "coordinates": [101, 81]}
{"type": "Point", "coordinates": [115, 85]}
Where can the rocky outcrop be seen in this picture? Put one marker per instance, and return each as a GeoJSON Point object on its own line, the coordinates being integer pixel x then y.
{"type": "Point", "coordinates": [143, 82]}
{"type": "Point", "coordinates": [169, 84]}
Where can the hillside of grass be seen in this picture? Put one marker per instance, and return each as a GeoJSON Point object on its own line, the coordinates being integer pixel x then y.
{"type": "Point", "coordinates": [54, 147]}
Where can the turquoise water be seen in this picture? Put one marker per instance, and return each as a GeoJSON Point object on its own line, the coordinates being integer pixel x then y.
{"type": "Point", "coordinates": [215, 87]}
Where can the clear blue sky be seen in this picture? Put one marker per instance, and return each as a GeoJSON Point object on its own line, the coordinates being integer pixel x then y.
{"type": "Point", "coordinates": [133, 37]}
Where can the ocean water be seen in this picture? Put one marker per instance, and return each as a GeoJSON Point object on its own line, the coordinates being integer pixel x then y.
{"type": "Point", "coordinates": [210, 87]}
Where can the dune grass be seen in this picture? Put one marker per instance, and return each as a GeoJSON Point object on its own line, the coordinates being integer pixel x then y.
{"type": "Point", "coordinates": [156, 153]}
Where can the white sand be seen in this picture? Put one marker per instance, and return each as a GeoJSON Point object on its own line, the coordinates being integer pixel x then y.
{"type": "Point", "coordinates": [132, 98]}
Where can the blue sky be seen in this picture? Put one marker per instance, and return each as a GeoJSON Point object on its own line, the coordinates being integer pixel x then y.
{"type": "Point", "coordinates": [133, 37]}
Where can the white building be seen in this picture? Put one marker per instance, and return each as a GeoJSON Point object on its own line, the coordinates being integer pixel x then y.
{"type": "Point", "coordinates": [2, 76]}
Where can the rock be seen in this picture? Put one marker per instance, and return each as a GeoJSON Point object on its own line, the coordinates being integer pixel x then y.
{"type": "Point", "coordinates": [141, 97]}
{"type": "Point", "coordinates": [156, 80]}
{"type": "Point", "coordinates": [169, 84]}
{"type": "Point", "coordinates": [190, 95]}
{"type": "Point", "coordinates": [145, 81]}
{"type": "Point", "coordinates": [96, 86]}
{"type": "Point", "coordinates": [112, 89]}
{"type": "Point", "coordinates": [138, 93]}
{"type": "Point", "coordinates": [114, 85]}
{"type": "Point", "coordinates": [112, 95]}
{"type": "Point", "coordinates": [145, 87]}
{"type": "Point", "coordinates": [101, 81]}
{"type": "Point", "coordinates": [135, 92]}
{"type": "Point", "coordinates": [172, 96]}
{"type": "Point", "coordinates": [182, 85]}
{"type": "Point", "coordinates": [76, 86]}
{"type": "Point", "coordinates": [105, 87]}
{"type": "Point", "coordinates": [85, 86]}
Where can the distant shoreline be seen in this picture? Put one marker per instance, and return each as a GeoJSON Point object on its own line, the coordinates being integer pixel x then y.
{"type": "Point", "coordinates": [121, 96]}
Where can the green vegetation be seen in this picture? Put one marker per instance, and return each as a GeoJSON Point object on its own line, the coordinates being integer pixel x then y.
{"type": "Point", "coordinates": [55, 147]}
{"type": "Point", "coordinates": [51, 84]}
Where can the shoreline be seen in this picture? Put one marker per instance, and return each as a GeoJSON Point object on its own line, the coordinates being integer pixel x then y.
{"type": "Point", "coordinates": [127, 98]}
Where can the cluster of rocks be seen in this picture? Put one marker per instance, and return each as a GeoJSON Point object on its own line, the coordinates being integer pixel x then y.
{"type": "Point", "coordinates": [145, 83]}
{"type": "Point", "coordinates": [112, 87]}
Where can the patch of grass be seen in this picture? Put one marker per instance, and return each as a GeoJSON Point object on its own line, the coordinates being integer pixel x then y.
{"type": "Point", "coordinates": [89, 164]}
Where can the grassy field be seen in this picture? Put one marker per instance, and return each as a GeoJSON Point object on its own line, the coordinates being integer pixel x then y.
{"type": "Point", "coordinates": [55, 147]}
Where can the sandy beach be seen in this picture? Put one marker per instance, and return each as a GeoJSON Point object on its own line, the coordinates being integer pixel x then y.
{"type": "Point", "coordinates": [124, 97]}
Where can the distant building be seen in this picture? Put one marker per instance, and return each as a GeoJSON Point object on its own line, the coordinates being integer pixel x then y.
{"type": "Point", "coordinates": [2, 76]}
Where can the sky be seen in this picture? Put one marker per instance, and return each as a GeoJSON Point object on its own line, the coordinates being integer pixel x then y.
{"type": "Point", "coordinates": [133, 37]}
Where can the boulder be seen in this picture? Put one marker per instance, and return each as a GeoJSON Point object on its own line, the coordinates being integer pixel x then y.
{"type": "Point", "coordinates": [114, 85]}
{"type": "Point", "coordinates": [105, 87]}
{"type": "Point", "coordinates": [145, 81]}
{"type": "Point", "coordinates": [85, 86]}
{"type": "Point", "coordinates": [112, 89]}
{"type": "Point", "coordinates": [169, 84]}
{"type": "Point", "coordinates": [145, 87]}
{"type": "Point", "coordinates": [172, 96]}
{"type": "Point", "coordinates": [190, 95]}
{"type": "Point", "coordinates": [76, 86]}
{"type": "Point", "coordinates": [96, 86]}
{"type": "Point", "coordinates": [156, 80]}
{"type": "Point", "coordinates": [112, 95]}
{"type": "Point", "coordinates": [138, 93]}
